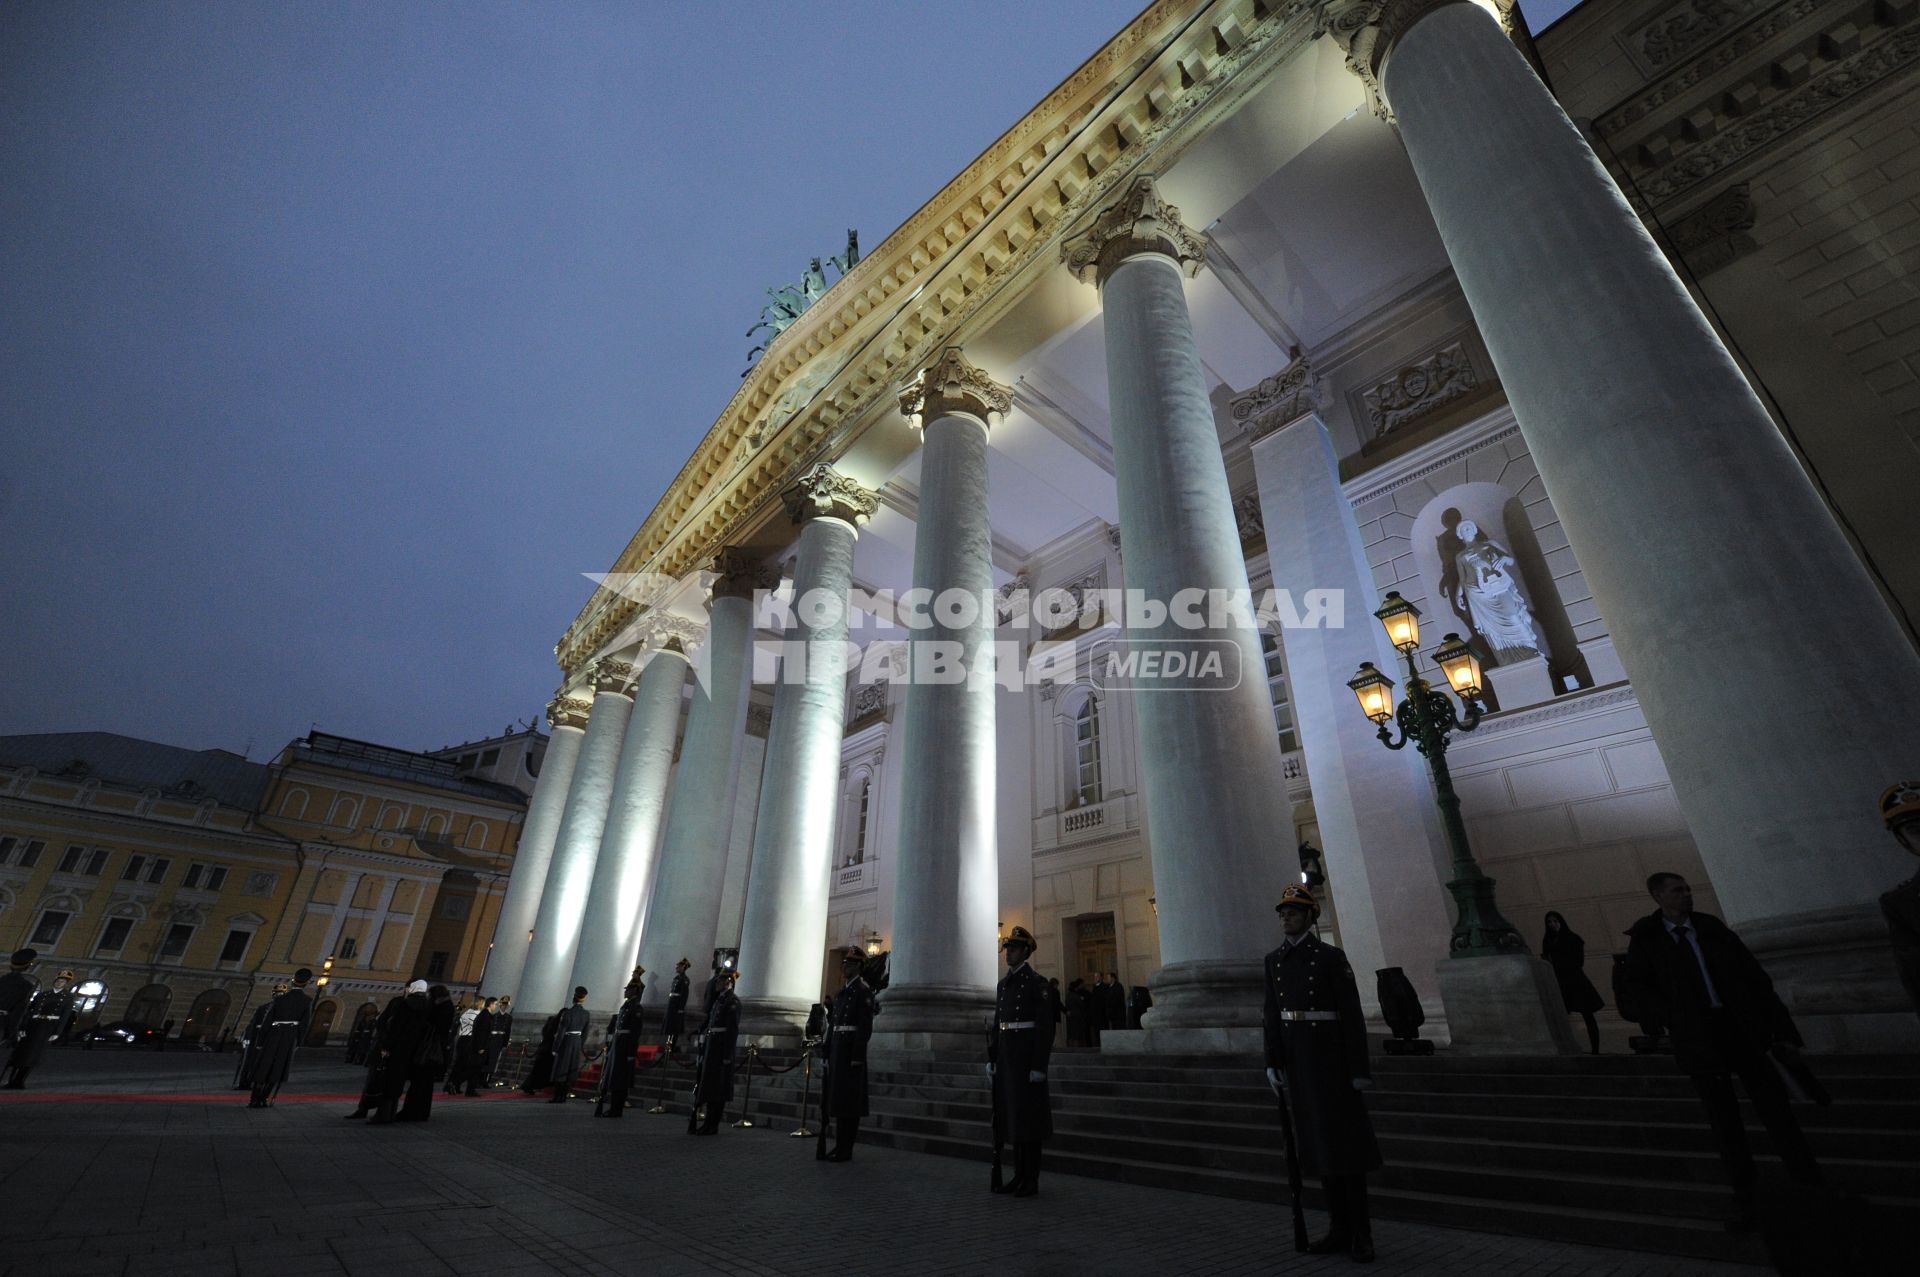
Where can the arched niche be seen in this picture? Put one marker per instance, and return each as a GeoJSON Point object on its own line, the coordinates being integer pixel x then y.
{"type": "Point", "coordinates": [1502, 518]}
{"type": "Point", "coordinates": [293, 805]}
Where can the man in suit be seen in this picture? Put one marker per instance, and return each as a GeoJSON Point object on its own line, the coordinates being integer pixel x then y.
{"type": "Point", "coordinates": [850, 1015]}
{"type": "Point", "coordinates": [285, 1026]}
{"type": "Point", "coordinates": [1690, 971]}
{"type": "Point", "coordinates": [1116, 1001]}
{"type": "Point", "coordinates": [1316, 1047]}
{"type": "Point", "coordinates": [1018, 1048]}
{"type": "Point", "coordinates": [502, 1032]}
{"type": "Point", "coordinates": [1096, 1008]}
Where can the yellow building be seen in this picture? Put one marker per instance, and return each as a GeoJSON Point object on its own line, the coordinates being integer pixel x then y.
{"type": "Point", "coordinates": [185, 882]}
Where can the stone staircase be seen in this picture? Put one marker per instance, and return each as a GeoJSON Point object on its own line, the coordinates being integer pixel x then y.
{"type": "Point", "coordinates": [1610, 1151]}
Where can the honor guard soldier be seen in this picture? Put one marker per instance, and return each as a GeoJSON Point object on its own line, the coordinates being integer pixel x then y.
{"type": "Point", "coordinates": [1316, 1042]}
{"type": "Point", "coordinates": [286, 1024]}
{"type": "Point", "coordinates": [850, 1015]}
{"type": "Point", "coordinates": [677, 995]}
{"type": "Point", "coordinates": [569, 1044]}
{"type": "Point", "coordinates": [623, 1038]}
{"type": "Point", "coordinates": [1017, 1053]}
{"type": "Point", "coordinates": [713, 1086]}
{"type": "Point", "coordinates": [48, 1017]}
{"type": "Point", "coordinates": [17, 988]}
{"type": "Point", "coordinates": [502, 1033]}
{"type": "Point", "coordinates": [252, 1040]}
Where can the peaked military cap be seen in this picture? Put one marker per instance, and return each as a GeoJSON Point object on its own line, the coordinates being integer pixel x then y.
{"type": "Point", "coordinates": [1019, 935]}
{"type": "Point", "coordinates": [1900, 802]}
{"type": "Point", "coordinates": [853, 953]}
{"type": "Point", "coordinates": [65, 975]}
{"type": "Point", "coordinates": [23, 958]}
{"type": "Point", "coordinates": [1298, 897]}
{"type": "Point", "coordinates": [682, 965]}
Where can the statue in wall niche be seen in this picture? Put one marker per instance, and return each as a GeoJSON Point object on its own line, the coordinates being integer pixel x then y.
{"type": "Point", "coordinates": [1480, 579]}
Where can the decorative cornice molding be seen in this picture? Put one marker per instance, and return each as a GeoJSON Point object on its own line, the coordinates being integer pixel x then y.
{"type": "Point", "coordinates": [738, 573]}
{"type": "Point", "coordinates": [1715, 234]}
{"type": "Point", "coordinates": [1709, 63]}
{"type": "Point", "coordinates": [951, 385]}
{"type": "Point", "coordinates": [1449, 452]}
{"type": "Point", "coordinates": [1281, 399]}
{"type": "Point", "coordinates": [1420, 389]}
{"type": "Point", "coordinates": [825, 493]}
{"type": "Point", "coordinates": [1138, 222]}
{"type": "Point", "coordinates": [1568, 706]}
{"type": "Point", "coordinates": [568, 711]}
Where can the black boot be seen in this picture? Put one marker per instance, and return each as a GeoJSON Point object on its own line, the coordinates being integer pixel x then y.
{"type": "Point", "coordinates": [1027, 1158]}
{"type": "Point", "coordinates": [1362, 1250]}
{"type": "Point", "coordinates": [1339, 1238]}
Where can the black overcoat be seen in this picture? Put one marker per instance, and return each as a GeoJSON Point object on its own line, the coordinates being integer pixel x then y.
{"type": "Point", "coordinates": [280, 1036]}
{"type": "Point", "coordinates": [16, 991]}
{"type": "Point", "coordinates": [716, 1050]}
{"type": "Point", "coordinates": [1321, 1056]}
{"type": "Point", "coordinates": [1566, 953]}
{"type": "Point", "coordinates": [1020, 1044]}
{"type": "Point", "coordinates": [676, 1022]}
{"type": "Point", "coordinates": [1665, 990]}
{"type": "Point", "coordinates": [570, 1042]}
{"type": "Point", "coordinates": [250, 1045]}
{"type": "Point", "coordinates": [623, 1037]}
{"type": "Point", "coordinates": [48, 1017]}
{"type": "Point", "coordinates": [849, 1027]}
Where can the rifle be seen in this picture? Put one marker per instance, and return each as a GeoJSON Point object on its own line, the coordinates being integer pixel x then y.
{"type": "Point", "coordinates": [995, 1183]}
{"type": "Point", "coordinates": [1293, 1174]}
{"type": "Point", "coordinates": [606, 1069]}
{"type": "Point", "coordinates": [699, 1072]}
{"type": "Point", "coordinates": [820, 1140]}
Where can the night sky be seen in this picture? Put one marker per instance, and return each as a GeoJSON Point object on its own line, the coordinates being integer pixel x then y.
{"type": "Point", "coordinates": [338, 340]}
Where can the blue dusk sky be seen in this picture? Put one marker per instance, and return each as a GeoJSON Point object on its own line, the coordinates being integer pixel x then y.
{"type": "Point", "coordinates": [337, 340]}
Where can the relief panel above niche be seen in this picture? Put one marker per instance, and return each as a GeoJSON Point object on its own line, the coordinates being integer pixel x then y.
{"type": "Point", "coordinates": [1429, 388]}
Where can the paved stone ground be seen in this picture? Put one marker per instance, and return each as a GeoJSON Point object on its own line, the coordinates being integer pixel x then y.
{"type": "Point", "coordinates": [143, 1164]}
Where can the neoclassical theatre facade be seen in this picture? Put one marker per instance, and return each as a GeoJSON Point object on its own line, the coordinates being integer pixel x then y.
{"type": "Point", "coordinates": [1302, 303]}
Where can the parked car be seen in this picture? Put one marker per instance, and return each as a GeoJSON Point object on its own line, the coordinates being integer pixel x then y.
{"type": "Point", "coordinates": [124, 1033]}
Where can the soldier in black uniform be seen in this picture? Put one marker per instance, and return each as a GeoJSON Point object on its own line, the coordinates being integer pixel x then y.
{"type": "Point", "coordinates": [502, 1032]}
{"type": "Point", "coordinates": [850, 1015]}
{"type": "Point", "coordinates": [17, 988]}
{"type": "Point", "coordinates": [715, 1085]}
{"type": "Point", "coordinates": [253, 1038]}
{"type": "Point", "coordinates": [47, 1018]}
{"type": "Point", "coordinates": [1018, 1048]}
{"type": "Point", "coordinates": [623, 1036]}
{"type": "Point", "coordinates": [1317, 1063]}
{"type": "Point", "coordinates": [286, 1025]}
{"type": "Point", "coordinates": [677, 994]}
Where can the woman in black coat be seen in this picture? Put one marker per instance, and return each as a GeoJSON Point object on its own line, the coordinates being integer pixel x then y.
{"type": "Point", "coordinates": [1566, 953]}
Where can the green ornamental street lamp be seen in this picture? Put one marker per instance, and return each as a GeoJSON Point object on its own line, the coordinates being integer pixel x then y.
{"type": "Point", "coordinates": [1427, 717]}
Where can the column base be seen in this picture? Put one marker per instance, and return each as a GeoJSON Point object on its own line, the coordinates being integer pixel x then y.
{"type": "Point", "coordinates": [1505, 1004]}
{"type": "Point", "coordinates": [932, 1019]}
{"type": "Point", "coordinates": [1196, 1039]}
{"type": "Point", "coordinates": [1834, 969]}
{"type": "Point", "coordinates": [780, 1023]}
{"type": "Point", "coordinates": [1208, 993]}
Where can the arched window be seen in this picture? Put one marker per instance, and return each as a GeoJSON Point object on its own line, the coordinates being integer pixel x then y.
{"type": "Point", "coordinates": [344, 812]}
{"type": "Point", "coordinates": [1086, 754]}
{"type": "Point", "coordinates": [206, 1016]}
{"type": "Point", "coordinates": [859, 854]}
{"type": "Point", "coordinates": [477, 834]}
{"type": "Point", "coordinates": [149, 1005]}
{"type": "Point", "coordinates": [294, 805]}
{"type": "Point", "coordinates": [1277, 691]}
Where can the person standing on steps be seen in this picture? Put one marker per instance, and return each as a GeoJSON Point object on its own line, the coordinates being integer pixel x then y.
{"type": "Point", "coordinates": [1018, 1049]}
{"type": "Point", "coordinates": [1316, 1044]}
{"type": "Point", "coordinates": [569, 1045]}
{"type": "Point", "coordinates": [502, 1032]}
{"type": "Point", "coordinates": [1692, 972]}
{"type": "Point", "coordinates": [676, 1022]}
{"type": "Point", "coordinates": [849, 1027]}
{"type": "Point", "coordinates": [713, 1088]}
{"type": "Point", "coordinates": [1566, 953]}
{"type": "Point", "coordinates": [623, 1038]}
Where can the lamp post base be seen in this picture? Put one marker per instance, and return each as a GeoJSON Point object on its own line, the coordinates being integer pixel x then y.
{"type": "Point", "coordinates": [1506, 1004]}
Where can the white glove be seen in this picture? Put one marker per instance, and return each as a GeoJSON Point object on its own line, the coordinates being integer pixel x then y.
{"type": "Point", "coordinates": [989, 1070]}
{"type": "Point", "coordinates": [1276, 1080]}
{"type": "Point", "coordinates": [1036, 1076]}
{"type": "Point", "coordinates": [1363, 1084]}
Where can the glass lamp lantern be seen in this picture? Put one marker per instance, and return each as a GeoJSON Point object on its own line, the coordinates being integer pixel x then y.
{"type": "Point", "coordinates": [1456, 660]}
{"type": "Point", "coordinates": [1402, 621]}
{"type": "Point", "coordinates": [1374, 691]}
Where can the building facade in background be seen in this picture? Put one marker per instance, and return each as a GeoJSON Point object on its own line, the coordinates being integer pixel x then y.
{"type": "Point", "coordinates": [187, 882]}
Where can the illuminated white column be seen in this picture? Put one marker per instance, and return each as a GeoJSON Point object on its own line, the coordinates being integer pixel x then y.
{"type": "Point", "coordinates": [563, 903]}
{"type": "Point", "coordinates": [684, 915]}
{"type": "Point", "coordinates": [1777, 684]}
{"type": "Point", "coordinates": [567, 717]}
{"type": "Point", "coordinates": [783, 937]}
{"type": "Point", "coordinates": [629, 849]}
{"type": "Point", "coordinates": [946, 885]}
{"type": "Point", "coordinates": [1219, 826]}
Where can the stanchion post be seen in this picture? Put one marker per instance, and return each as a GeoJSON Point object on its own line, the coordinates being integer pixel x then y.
{"type": "Point", "coordinates": [746, 1102]}
{"type": "Point", "coordinates": [806, 1060]}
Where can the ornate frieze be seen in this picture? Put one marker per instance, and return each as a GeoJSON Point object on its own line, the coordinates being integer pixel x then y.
{"type": "Point", "coordinates": [738, 573]}
{"type": "Point", "coordinates": [825, 493]}
{"type": "Point", "coordinates": [1003, 598]}
{"type": "Point", "coordinates": [568, 711]}
{"type": "Point", "coordinates": [1288, 395]}
{"type": "Point", "coordinates": [1248, 519]}
{"type": "Point", "coordinates": [1419, 389]}
{"type": "Point", "coordinates": [1138, 222]}
{"type": "Point", "coordinates": [612, 676]}
{"type": "Point", "coordinates": [868, 699]}
{"type": "Point", "coordinates": [1715, 234]}
{"type": "Point", "coordinates": [951, 385]}
{"type": "Point", "coordinates": [1709, 63]}
{"type": "Point", "coordinates": [1686, 27]}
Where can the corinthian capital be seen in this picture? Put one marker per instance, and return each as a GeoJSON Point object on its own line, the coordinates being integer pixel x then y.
{"type": "Point", "coordinates": [1368, 30]}
{"type": "Point", "coordinates": [1138, 222]}
{"type": "Point", "coordinates": [613, 676]}
{"type": "Point", "coordinates": [739, 574]}
{"type": "Point", "coordinates": [950, 385]}
{"type": "Point", "coordinates": [825, 493]}
{"type": "Point", "coordinates": [568, 711]}
{"type": "Point", "coordinates": [665, 632]}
